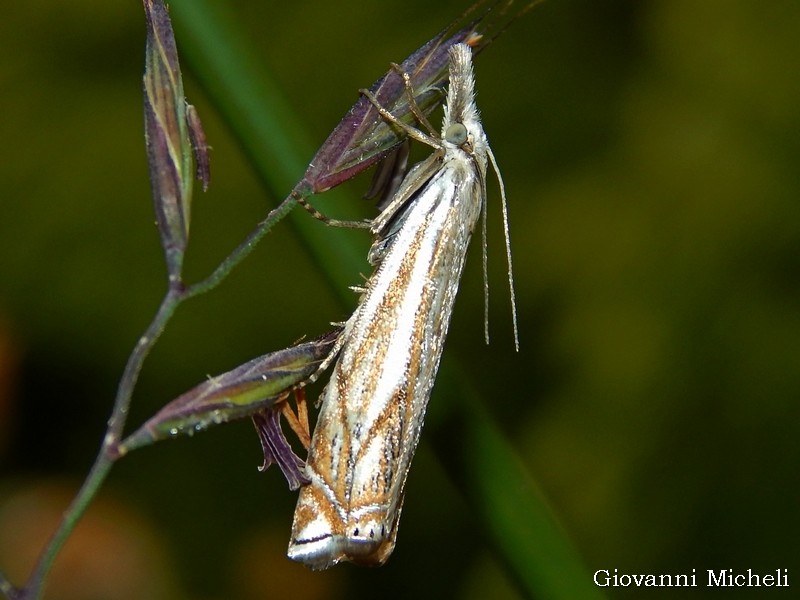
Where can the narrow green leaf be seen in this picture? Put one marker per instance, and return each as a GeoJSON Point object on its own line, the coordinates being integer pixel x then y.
{"type": "Point", "coordinates": [507, 501]}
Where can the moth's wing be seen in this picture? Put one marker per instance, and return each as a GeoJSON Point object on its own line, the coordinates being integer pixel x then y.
{"type": "Point", "coordinates": [389, 222]}
{"type": "Point", "coordinates": [389, 175]}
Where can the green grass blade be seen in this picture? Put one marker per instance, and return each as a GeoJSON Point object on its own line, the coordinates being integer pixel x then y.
{"type": "Point", "coordinates": [506, 500]}
{"type": "Point", "coordinates": [270, 132]}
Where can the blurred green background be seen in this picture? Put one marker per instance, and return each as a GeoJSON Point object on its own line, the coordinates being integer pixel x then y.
{"type": "Point", "coordinates": [650, 153]}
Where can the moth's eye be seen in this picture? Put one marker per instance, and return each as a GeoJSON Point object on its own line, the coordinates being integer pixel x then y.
{"type": "Point", "coordinates": [456, 134]}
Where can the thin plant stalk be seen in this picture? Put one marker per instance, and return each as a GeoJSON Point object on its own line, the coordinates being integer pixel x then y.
{"type": "Point", "coordinates": [108, 450]}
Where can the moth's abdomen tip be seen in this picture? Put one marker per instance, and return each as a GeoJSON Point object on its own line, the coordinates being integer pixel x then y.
{"type": "Point", "coordinates": [323, 553]}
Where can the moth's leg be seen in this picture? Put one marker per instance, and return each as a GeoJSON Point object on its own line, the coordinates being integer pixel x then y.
{"type": "Point", "coordinates": [326, 219]}
{"type": "Point", "coordinates": [412, 102]}
{"type": "Point", "coordinates": [410, 131]}
{"type": "Point", "coordinates": [298, 422]}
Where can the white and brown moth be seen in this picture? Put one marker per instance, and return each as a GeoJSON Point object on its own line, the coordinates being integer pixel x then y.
{"type": "Point", "coordinates": [374, 404]}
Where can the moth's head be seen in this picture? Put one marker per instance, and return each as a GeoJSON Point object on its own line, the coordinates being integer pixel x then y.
{"type": "Point", "coordinates": [462, 124]}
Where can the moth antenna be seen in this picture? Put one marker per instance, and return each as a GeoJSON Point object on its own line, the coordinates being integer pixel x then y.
{"type": "Point", "coordinates": [504, 205]}
{"type": "Point", "coordinates": [485, 237]}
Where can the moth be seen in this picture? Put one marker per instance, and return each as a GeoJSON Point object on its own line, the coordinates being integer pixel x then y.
{"type": "Point", "coordinates": [373, 407]}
